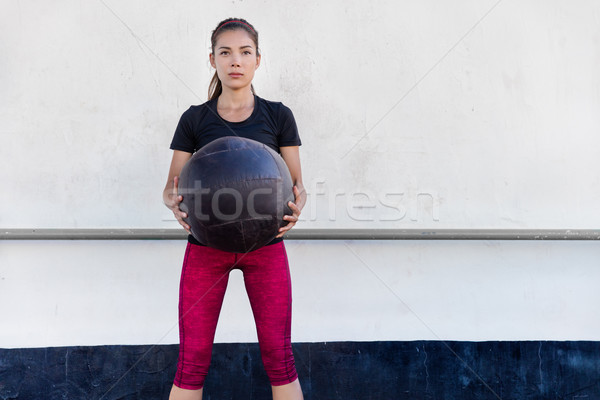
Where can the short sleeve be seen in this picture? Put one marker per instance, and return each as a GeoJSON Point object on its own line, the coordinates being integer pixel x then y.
{"type": "Point", "coordinates": [183, 139]}
{"type": "Point", "coordinates": [288, 130]}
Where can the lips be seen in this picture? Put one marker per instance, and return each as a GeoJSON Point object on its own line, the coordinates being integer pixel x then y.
{"type": "Point", "coordinates": [235, 75]}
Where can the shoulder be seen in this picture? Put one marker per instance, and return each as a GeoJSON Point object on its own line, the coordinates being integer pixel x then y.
{"type": "Point", "coordinates": [276, 108]}
{"type": "Point", "coordinates": [197, 111]}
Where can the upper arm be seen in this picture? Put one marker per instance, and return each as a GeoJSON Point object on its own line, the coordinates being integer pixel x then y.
{"type": "Point", "coordinates": [291, 156]}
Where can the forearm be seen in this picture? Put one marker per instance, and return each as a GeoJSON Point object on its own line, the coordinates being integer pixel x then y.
{"type": "Point", "coordinates": [170, 191]}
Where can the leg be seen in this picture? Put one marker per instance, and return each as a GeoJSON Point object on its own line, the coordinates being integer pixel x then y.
{"type": "Point", "coordinates": [184, 394]}
{"type": "Point", "coordinates": [268, 283]}
{"type": "Point", "coordinates": [289, 391]}
{"type": "Point", "coordinates": [203, 283]}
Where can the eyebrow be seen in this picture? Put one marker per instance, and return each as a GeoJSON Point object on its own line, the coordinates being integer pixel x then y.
{"type": "Point", "coordinates": [229, 48]}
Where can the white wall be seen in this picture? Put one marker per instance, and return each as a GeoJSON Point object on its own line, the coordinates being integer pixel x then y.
{"type": "Point", "coordinates": [58, 293]}
{"type": "Point", "coordinates": [464, 114]}
{"type": "Point", "coordinates": [488, 109]}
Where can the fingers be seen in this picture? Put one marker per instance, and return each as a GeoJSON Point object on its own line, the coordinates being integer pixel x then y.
{"type": "Point", "coordinates": [174, 206]}
{"type": "Point", "coordinates": [294, 207]}
{"type": "Point", "coordinates": [175, 189]}
{"type": "Point", "coordinates": [285, 228]}
{"type": "Point", "coordinates": [291, 218]}
{"type": "Point", "coordinates": [180, 216]}
{"type": "Point", "coordinates": [282, 231]}
{"type": "Point", "coordinates": [295, 212]}
{"type": "Point", "coordinates": [298, 199]}
{"type": "Point", "coordinates": [297, 191]}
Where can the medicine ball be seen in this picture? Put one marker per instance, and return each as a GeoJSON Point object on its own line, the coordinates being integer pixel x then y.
{"type": "Point", "coordinates": [235, 193]}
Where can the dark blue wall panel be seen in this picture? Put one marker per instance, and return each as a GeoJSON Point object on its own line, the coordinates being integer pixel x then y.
{"type": "Point", "coordinates": [529, 370]}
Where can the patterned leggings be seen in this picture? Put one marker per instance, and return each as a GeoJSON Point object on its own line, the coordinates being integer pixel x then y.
{"type": "Point", "coordinates": [204, 278]}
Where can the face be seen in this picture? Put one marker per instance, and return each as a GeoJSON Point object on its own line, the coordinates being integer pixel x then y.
{"type": "Point", "coordinates": [235, 59]}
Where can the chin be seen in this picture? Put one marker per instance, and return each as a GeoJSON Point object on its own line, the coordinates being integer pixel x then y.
{"type": "Point", "coordinates": [240, 86]}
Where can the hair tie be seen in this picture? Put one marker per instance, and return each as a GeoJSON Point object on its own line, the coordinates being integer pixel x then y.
{"type": "Point", "coordinates": [236, 20]}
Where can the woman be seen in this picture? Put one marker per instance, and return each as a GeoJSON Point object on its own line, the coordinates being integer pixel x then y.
{"type": "Point", "coordinates": [234, 108]}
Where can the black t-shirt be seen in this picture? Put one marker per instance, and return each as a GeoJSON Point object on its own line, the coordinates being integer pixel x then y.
{"type": "Point", "coordinates": [271, 123]}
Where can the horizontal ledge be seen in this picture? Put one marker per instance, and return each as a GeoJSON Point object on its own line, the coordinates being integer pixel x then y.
{"type": "Point", "coordinates": [312, 234]}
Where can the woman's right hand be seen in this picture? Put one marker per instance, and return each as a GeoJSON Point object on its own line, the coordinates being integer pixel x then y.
{"type": "Point", "coordinates": [172, 202]}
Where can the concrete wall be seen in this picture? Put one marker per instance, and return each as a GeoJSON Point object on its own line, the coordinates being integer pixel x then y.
{"type": "Point", "coordinates": [467, 114]}
{"type": "Point", "coordinates": [125, 292]}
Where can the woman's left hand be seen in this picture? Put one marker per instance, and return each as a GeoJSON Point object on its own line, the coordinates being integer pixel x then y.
{"type": "Point", "coordinates": [296, 209]}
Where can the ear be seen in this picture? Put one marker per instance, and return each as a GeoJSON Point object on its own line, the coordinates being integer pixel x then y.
{"type": "Point", "coordinates": [211, 57]}
{"type": "Point", "coordinates": [257, 61]}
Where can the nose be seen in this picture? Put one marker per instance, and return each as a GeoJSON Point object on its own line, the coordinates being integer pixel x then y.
{"type": "Point", "coordinates": [235, 60]}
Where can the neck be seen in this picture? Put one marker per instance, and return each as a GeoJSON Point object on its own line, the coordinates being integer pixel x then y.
{"type": "Point", "coordinates": [236, 98]}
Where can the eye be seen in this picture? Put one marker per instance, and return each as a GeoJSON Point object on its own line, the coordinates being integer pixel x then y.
{"type": "Point", "coordinates": [247, 52]}
{"type": "Point", "coordinates": [223, 52]}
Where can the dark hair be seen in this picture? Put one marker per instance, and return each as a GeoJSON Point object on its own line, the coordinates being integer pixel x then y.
{"type": "Point", "coordinates": [215, 88]}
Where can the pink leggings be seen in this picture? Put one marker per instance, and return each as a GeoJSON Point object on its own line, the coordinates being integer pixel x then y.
{"type": "Point", "coordinates": [204, 278]}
